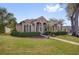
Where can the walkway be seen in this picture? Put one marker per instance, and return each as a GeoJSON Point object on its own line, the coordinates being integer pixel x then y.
{"type": "Point", "coordinates": [71, 42]}
{"type": "Point", "coordinates": [67, 41]}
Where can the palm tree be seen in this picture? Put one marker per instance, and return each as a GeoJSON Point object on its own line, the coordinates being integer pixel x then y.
{"type": "Point", "coordinates": [72, 13]}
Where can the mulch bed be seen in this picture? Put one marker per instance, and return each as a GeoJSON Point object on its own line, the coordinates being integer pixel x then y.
{"type": "Point", "coordinates": [36, 37]}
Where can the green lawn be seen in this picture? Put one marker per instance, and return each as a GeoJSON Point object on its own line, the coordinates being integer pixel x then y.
{"type": "Point", "coordinates": [70, 38]}
{"type": "Point", "coordinates": [16, 45]}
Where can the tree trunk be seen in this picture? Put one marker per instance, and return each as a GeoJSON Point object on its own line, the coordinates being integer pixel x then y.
{"type": "Point", "coordinates": [72, 26]}
{"type": "Point", "coordinates": [76, 23]}
{"type": "Point", "coordinates": [2, 29]}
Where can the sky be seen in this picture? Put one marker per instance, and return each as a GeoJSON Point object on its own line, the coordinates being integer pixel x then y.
{"type": "Point", "coordinates": [24, 11]}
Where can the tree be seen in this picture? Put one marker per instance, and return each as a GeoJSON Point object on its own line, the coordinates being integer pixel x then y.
{"type": "Point", "coordinates": [72, 13]}
{"type": "Point", "coordinates": [11, 21]}
{"type": "Point", "coordinates": [3, 13]}
{"type": "Point", "coordinates": [6, 19]}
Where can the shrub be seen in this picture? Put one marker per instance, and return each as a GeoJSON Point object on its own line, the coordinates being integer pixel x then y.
{"type": "Point", "coordinates": [59, 33]}
{"type": "Point", "coordinates": [25, 34]}
{"type": "Point", "coordinates": [55, 33]}
{"type": "Point", "coordinates": [46, 33]}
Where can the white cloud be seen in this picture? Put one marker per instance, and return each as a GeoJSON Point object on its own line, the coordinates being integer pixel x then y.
{"type": "Point", "coordinates": [53, 8]}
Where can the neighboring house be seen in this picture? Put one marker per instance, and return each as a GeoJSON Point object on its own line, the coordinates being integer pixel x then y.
{"type": "Point", "coordinates": [37, 25]}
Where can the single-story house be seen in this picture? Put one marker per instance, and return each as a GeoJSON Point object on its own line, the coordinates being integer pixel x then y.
{"type": "Point", "coordinates": [39, 24]}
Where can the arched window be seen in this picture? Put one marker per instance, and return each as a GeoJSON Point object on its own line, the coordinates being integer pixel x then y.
{"type": "Point", "coordinates": [38, 27]}
{"type": "Point", "coordinates": [45, 27]}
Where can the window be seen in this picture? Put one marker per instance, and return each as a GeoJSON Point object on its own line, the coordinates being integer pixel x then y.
{"type": "Point", "coordinates": [24, 28]}
{"type": "Point", "coordinates": [29, 28]}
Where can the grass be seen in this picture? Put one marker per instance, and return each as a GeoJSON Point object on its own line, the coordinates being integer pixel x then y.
{"type": "Point", "coordinates": [33, 46]}
{"type": "Point", "coordinates": [68, 37]}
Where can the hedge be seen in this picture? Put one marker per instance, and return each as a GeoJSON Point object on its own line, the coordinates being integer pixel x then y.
{"type": "Point", "coordinates": [46, 33]}
{"type": "Point", "coordinates": [55, 33]}
{"type": "Point", "coordinates": [25, 34]}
